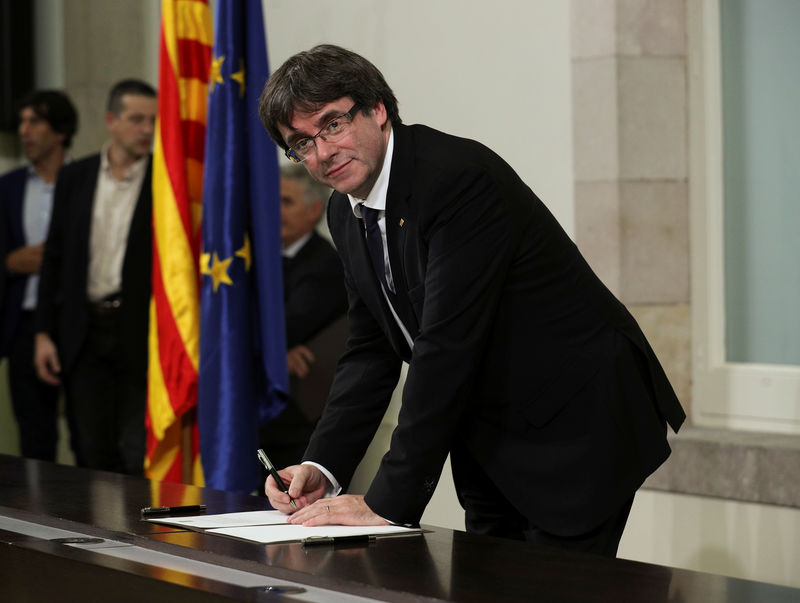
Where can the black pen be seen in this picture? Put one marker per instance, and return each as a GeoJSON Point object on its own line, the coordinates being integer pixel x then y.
{"type": "Point", "coordinates": [356, 539]}
{"type": "Point", "coordinates": [173, 510]}
{"type": "Point", "coordinates": [262, 456]}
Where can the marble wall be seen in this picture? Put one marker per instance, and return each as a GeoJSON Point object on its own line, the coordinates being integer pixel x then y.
{"type": "Point", "coordinates": [104, 41]}
{"type": "Point", "coordinates": [630, 161]}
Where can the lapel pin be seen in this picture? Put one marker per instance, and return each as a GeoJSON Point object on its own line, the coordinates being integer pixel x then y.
{"type": "Point", "coordinates": [402, 222]}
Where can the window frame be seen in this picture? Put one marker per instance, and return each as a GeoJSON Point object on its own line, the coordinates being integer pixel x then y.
{"type": "Point", "coordinates": [724, 394]}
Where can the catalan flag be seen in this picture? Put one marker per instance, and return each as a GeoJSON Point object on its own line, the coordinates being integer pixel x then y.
{"type": "Point", "coordinates": [243, 377]}
{"type": "Point", "coordinates": [174, 349]}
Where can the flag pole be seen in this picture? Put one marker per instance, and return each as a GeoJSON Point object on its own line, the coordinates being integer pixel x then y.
{"type": "Point", "coordinates": [188, 421]}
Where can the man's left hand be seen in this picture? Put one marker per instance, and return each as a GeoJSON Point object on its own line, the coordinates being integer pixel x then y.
{"type": "Point", "coordinates": [26, 259]}
{"type": "Point", "coordinates": [345, 510]}
{"type": "Point", "coordinates": [299, 360]}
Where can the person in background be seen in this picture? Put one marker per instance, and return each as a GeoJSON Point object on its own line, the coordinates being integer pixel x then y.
{"type": "Point", "coordinates": [92, 312]}
{"type": "Point", "coordinates": [47, 123]}
{"type": "Point", "coordinates": [523, 366]}
{"type": "Point", "coordinates": [314, 298]}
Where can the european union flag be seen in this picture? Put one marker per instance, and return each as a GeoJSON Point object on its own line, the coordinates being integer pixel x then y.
{"type": "Point", "coordinates": [242, 375]}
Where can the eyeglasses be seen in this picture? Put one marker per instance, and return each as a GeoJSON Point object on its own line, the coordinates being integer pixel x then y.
{"type": "Point", "coordinates": [330, 132]}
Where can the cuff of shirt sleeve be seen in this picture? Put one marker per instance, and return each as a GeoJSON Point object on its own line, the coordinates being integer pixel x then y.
{"type": "Point", "coordinates": [334, 488]}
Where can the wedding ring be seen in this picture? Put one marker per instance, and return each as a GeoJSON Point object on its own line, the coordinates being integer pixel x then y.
{"type": "Point", "coordinates": [327, 508]}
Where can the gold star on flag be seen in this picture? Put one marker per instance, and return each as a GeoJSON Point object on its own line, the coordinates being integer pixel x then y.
{"type": "Point", "coordinates": [215, 76]}
{"type": "Point", "coordinates": [205, 258]}
{"type": "Point", "coordinates": [244, 253]}
{"type": "Point", "coordinates": [219, 271]}
{"type": "Point", "coordinates": [239, 77]}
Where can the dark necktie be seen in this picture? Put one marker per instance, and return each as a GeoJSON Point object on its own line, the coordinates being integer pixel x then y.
{"type": "Point", "coordinates": [375, 244]}
{"type": "Point", "coordinates": [401, 307]}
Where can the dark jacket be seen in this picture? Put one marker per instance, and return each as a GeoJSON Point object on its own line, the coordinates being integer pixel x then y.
{"type": "Point", "coordinates": [12, 236]}
{"type": "Point", "coordinates": [62, 308]}
{"type": "Point", "coordinates": [521, 355]}
{"type": "Point", "coordinates": [313, 290]}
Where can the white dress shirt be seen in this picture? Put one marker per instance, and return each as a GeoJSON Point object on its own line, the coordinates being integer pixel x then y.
{"type": "Point", "coordinates": [292, 250]}
{"type": "Point", "coordinates": [376, 199]}
{"type": "Point", "coordinates": [112, 212]}
{"type": "Point", "coordinates": [37, 207]}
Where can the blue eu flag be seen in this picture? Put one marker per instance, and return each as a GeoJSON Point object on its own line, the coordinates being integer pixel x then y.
{"type": "Point", "coordinates": [242, 375]}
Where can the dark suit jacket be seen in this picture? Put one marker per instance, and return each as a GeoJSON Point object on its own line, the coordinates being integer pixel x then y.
{"type": "Point", "coordinates": [314, 299]}
{"type": "Point", "coordinates": [62, 303]}
{"type": "Point", "coordinates": [313, 290]}
{"type": "Point", "coordinates": [521, 355]}
{"type": "Point", "coordinates": [12, 236]}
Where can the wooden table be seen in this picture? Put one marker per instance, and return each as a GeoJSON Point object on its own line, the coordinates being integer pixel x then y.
{"type": "Point", "coordinates": [133, 560]}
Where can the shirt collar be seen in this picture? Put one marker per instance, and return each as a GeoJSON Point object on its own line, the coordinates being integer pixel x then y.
{"type": "Point", "coordinates": [133, 171]}
{"type": "Point", "coordinates": [293, 249]}
{"type": "Point", "coordinates": [376, 199]}
{"type": "Point", "coordinates": [33, 174]}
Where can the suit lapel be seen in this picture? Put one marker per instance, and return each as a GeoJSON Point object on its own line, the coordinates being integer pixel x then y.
{"type": "Point", "coordinates": [398, 222]}
{"type": "Point", "coordinates": [400, 219]}
{"type": "Point", "coordinates": [357, 258]}
{"type": "Point", "coordinates": [137, 249]}
{"type": "Point", "coordinates": [142, 212]}
{"type": "Point", "coordinates": [357, 243]}
{"type": "Point", "coordinates": [84, 205]}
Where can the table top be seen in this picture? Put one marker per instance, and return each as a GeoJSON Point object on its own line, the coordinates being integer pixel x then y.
{"type": "Point", "coordinates": [441, 564]}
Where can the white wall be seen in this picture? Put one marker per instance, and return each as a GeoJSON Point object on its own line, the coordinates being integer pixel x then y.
{"type": "Point", "coordinates": [497, 72]}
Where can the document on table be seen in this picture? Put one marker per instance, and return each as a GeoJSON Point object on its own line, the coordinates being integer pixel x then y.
{"type": "Point", "coordinates": [224, 520]}
{"type": "Point", "coordinates": [270, 526]}
{"type": "Point", "coordinates": [288, 532]}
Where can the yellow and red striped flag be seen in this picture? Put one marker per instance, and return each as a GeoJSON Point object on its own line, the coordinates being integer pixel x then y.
{"type": "Point", "coordinates": [184, 63]}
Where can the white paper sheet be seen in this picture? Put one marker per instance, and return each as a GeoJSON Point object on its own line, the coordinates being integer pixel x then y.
{"type": "Point", "coordinates": [224, 520]}
{"type": "Point", "coordinates": [287, 532]}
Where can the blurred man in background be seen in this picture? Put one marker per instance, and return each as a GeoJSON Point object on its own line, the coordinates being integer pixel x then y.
{"type": "Point", "coordinates": [47, 123]}
{"type": "Point", "coordinates": [315, 301]}
{"type": "Point", "coordinates": [92, 312]}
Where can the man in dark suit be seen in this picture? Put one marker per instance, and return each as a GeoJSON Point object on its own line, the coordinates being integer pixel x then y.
{"type": "Point", "coordinates": [522, 365]}
{"type": "Point", "coordinates": [314, 297]}
{"type": "Point", "coordinates": [47, 123]}
{"type": "Point", "coordinates": [92, 312]}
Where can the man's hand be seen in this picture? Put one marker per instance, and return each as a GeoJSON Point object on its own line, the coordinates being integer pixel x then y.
{"type": "Point", "coordinates": [345, 510]}
{"type": "Point", "coordinates": [25, 260]}
{"type": "Point", "coordinates": [306, 484]}
{"type": "Point", "coordinates": [45, 359]}
{"type": "Point", "coordinates": [299, 360]}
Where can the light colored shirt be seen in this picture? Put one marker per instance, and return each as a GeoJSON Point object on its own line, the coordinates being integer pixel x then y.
{"type": "Point", "coordinates": [112, 212]}
{"type": "Point", "coordinates": [37, 208]}
{"type": "Point", "coordinates": [293, 249]}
